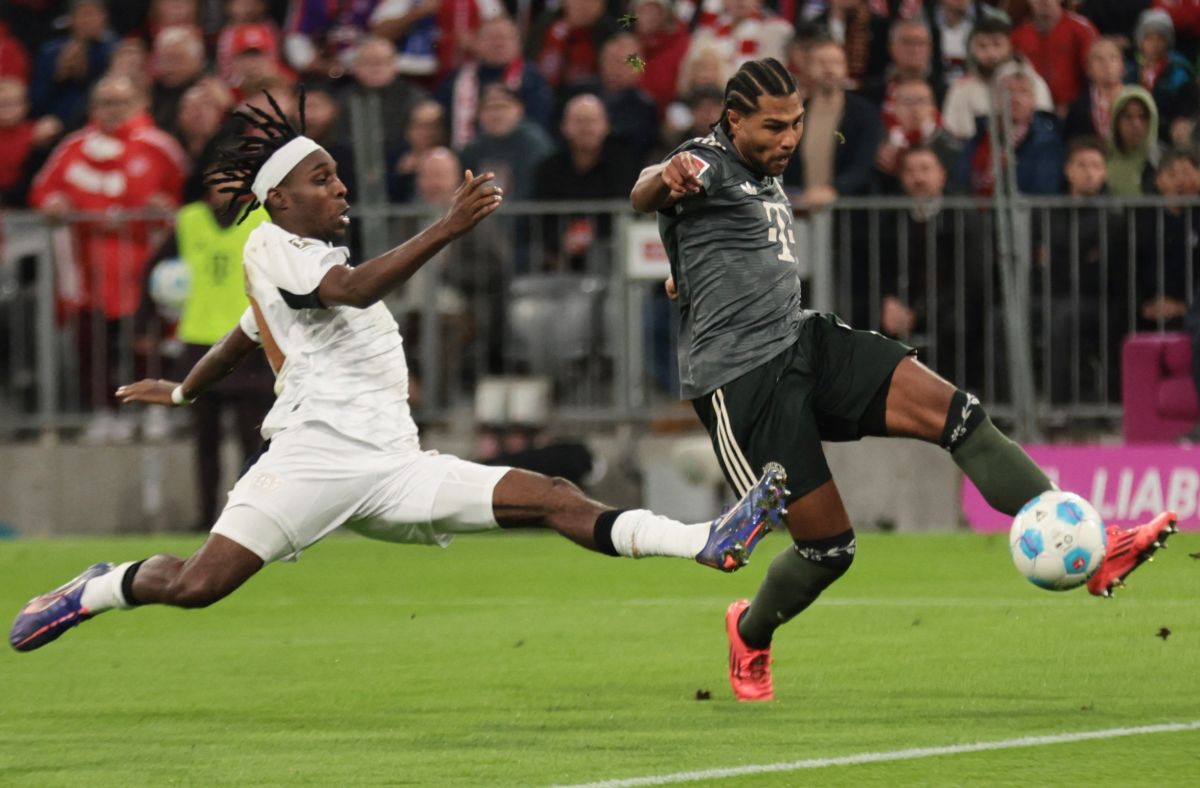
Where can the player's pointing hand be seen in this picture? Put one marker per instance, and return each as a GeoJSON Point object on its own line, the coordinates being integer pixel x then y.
{"type": "Point", "coordinates": [476, 197]}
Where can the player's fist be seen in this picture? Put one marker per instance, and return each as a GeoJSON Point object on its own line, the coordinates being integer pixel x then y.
{"type": "Point", "coordinates": [669, 286]}
{"type": "Point", "coordinates": [682, 174]}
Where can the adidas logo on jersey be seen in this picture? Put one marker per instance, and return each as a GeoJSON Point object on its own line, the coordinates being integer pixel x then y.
{"type": "Point", "coordinates": [748, 189]}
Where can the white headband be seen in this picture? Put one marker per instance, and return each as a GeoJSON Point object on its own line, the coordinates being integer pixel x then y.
{"type": "Point", "coordinates": [282, 161]}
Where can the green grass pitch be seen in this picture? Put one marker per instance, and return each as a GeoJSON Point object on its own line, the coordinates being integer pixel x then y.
{"type": "Point", "coordinates": [519, 659]}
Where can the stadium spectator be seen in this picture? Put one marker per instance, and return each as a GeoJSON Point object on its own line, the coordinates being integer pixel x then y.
{"type": "Point", "coordinates": [378, 96]}
{"type": "Point", "coordinates": [244, 15]}
{"type": "Point", "coordinates": [633, 116]}
{"type": "Point", "coordinates": [120, 160]}
{"type": "Point", "coordinates": [1056, 43]}
{"type": "Point", "coordinates": [455, 25]}
{"type": "Point", "coordinates": [951, 22]}
{"type": "Point", "coordinates": [24, 142]}
{"type": "Point", "coordinates": [841, 136]}
{"type": "Point", "coordinates": [568, 51]}
{"type": "Point", "coordinates": [663, 41]}
{"type": "Point", "coordinates": [471, 293]}
{"type": "Point", "coordinates": [1091, 113]}
{"type": "Point", "coordinates": [701, 109]}
{"type": "Point", "coordinates": [1158, 68]}
{"type": "Point", "coordinates": [1080, 280]}
{"type": "Point", "coordinates": [209, 241]}
{"type": "Point", "coordinates": [252, 52]}
{"type": "Point", "coordinates": [970, 96]}
{"type": "Point", "coordinates": [499, 59]}
{"type": "Point", "coordinates": [66, 68]}
{"type": "Point", "coordinates": [131, 59]}
{"type": "Point", "coordinates": [168, 13]}
{"type": "Point", "coordinates": [1133, 149]}
{"type": "Point", "coordinates": [942, 314]}
{"type": "Point", "coordinates": [1034, 135]}
{"type": "Point", "coordinates": [14, 59]}
{"type": "Point", "coordinates": [412, 27]}
{"type": "Point", "coordinates": [198, 124]}
{"type": "Point", "coordinates": [508, 144]}
{"type": "Point", "coordinates": [701, 68]}
{"type": "Point", "coordinates": [179, 62]}
{"type": "Point", "coordinates": [426, 130]}
{"type": "Point", "coordinates": [590, 165]}
{"type": "Point", "coordinates": [910, 46]}
{"type": "Point", "coordinates": [320, 37]}
{"type": "Point", "coordinates": [914, 121]}
{"type": "Point", "coordinates": [862, 34]}
{"type": "Point", "coordinates": [742, 30]}
{"type": "Point", "coordinates": [1163, 281]}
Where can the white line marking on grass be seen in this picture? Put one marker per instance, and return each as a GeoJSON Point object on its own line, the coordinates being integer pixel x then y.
{"type": "Point", "coordinates": [894, 755]}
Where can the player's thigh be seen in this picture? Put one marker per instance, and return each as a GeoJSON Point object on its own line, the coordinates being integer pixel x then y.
{"type": "Point", "coordinates": [917, 402]}
{"type": "Point", "coordinates": [766, 416]}
{"type": "Point", "coordinates": [308, 482]}
{"type": "Point", "coordinates": [429, 498]}
{"type": "Point", "coordinates": [851, 368]}
{"type": "Point", "coordinates": [819, 514]}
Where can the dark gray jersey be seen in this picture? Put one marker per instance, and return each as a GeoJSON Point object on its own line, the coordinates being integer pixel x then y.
{"type": "Point", "coordinates": [733, 254]}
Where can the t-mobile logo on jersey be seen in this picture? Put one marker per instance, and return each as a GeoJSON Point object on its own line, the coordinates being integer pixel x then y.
{"type": "Point", "coordinates": [778, 214]}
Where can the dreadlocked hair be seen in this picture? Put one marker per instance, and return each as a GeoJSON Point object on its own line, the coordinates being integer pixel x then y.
{"type": "Point", "coordinates": [755, 78]}
{"type": "Point", "coordinates": [238, 163]}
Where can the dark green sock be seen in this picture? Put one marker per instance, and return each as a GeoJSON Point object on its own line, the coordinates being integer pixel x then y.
{"type": "Point", "coordinates": [791, 584]}
{"type": "Point", "coordinates": [1005, 475]}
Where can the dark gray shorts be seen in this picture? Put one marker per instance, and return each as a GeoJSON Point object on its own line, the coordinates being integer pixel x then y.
{"type": "Point", "coordinates": [818, 389]}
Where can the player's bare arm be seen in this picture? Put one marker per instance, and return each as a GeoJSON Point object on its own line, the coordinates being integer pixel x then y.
{"type": "Point", "coordinates": [221, 359]}
{"type": "Point", "coordinates": [662, 185]}
{"type": "Point", "coordinates": [365, 284]}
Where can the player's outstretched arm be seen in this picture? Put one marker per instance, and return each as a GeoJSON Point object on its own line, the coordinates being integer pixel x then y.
{"type": "Point", "coordinates": [662, 185]}
{"type": "Point", "coordinates": [213, 366]}
{"type": "Point", "coordinates": [365, 284]}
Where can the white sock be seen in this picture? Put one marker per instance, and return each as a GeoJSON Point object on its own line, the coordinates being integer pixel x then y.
{"type": "Point", "coordinates": [640, 532]}
{"type": "Point", "coordinates": [104, 592]}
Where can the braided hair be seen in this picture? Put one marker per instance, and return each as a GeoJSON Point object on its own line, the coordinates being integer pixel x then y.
{"type": "Point", "coordinates": [755, 78]}
{"type": "Point", "coordinates": [238, 163]}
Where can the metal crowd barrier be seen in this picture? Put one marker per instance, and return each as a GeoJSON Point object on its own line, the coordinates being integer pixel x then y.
{"type": "Point", "coordinates": [572, 293]}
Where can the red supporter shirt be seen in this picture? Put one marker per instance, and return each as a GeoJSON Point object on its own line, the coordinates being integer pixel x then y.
{"type": "Point", "coordinates": [1061, 56]}
{"type": "Point", "coordinates": [95, 171]}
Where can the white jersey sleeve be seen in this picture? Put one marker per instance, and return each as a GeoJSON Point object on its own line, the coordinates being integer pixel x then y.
{"type": "Point", "coordinates": [249, 326]}
{"type": "Point", "coordinates": [292, 265]}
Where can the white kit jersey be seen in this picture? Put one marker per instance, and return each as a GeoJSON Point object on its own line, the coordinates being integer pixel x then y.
{"type": "Point", "coordinates": [344, 366]}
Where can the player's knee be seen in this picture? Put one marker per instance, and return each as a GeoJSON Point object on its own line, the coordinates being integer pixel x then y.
{"type": "Point", "coordinates": [966, 414]}
{"type": "Point", "coordinates": [835, 553]}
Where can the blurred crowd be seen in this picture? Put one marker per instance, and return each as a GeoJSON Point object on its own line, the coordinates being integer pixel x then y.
{"type": "Point", "coordinates": [120, 106]}
{"type": "Point", "coordinates": [568, 98]}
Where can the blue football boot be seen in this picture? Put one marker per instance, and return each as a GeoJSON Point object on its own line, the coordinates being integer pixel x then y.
{"type": "Point", "coordinates": [44, 618]}
{"type": "Point", "coordinates": [735, 533]}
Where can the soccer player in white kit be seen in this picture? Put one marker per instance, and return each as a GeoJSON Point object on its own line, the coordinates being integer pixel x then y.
{"type": "Point", "coordinates": [343, 446]}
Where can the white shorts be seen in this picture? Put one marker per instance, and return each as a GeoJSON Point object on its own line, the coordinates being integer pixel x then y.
{"type": "Point", "coordinates": [313, 480]}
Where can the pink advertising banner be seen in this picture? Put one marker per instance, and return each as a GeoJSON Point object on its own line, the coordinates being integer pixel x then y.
{"type": "Point", "coordinates": [1126, 484]}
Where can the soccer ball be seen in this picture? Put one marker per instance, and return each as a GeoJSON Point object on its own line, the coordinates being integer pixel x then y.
{"type": "Point", "coordinates": [1057, 540]}
{"type": "Point", "coordinates": [170, 283]}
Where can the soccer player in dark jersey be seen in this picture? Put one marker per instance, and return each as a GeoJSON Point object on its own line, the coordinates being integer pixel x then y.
{"type": "Point", "coordinates": [771, 380]}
